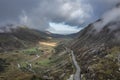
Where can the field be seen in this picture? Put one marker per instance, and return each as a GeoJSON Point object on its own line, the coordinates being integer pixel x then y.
{"type": "Point", "coordinates": [21, 64]}
{"type": "Point", "coordinates": [35, 62]}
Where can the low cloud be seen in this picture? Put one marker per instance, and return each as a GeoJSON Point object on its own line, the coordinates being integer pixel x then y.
{"type": "Point", "coordinates": [110, 16]}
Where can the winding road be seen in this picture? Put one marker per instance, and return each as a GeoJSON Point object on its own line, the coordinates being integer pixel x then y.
{"type": "Point", "coordinates": [78, 70]}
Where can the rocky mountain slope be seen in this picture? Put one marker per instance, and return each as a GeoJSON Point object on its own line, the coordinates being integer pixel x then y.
{"type": "Point", "coordinates": [98, 49]}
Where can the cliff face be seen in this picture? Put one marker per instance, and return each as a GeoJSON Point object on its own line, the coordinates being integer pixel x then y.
{"type": "Point", "coordinates": [98, 51]}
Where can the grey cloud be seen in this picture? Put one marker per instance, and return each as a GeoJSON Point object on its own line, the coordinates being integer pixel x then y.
{"type": "Point", "coordinates": [38, 13]}
{"type": "Point", "coordinates": [100, 7]}
{"type": "Point", "coordinates": [11, 9]}
{"type": "Point", "coordinates": [62, 11]}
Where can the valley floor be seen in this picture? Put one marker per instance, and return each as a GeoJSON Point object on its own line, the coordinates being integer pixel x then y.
{"type": "Point", "coordinates": [40, 62]}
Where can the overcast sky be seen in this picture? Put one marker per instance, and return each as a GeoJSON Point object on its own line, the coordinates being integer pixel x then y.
{"type": "Point", "coordinates": [57, 16]}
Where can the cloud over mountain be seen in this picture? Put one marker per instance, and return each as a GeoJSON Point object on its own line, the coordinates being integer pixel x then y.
{"type": "Point", "coordinates": [39, 13]}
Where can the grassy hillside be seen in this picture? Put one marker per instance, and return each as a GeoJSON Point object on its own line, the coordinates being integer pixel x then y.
{"type": "Point", "coordinates": [21, 37]}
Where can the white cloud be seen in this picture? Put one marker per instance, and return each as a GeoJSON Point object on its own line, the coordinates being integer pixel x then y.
{"type": "Point", "coordinates": [61, 28]}
{"type": "Point", "coordinates": [24, 18]}
{"type": "Point", "coordinates": [110, 16]}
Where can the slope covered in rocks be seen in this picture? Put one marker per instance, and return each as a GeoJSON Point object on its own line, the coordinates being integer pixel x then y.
{"type": "Point", "coordinates": [98, 49]}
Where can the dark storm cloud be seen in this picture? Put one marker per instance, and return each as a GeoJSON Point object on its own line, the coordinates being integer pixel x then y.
{"type": "Point", "coordinates": [11, 9]}
{"type": "Point", "coordinates": [38, 13]}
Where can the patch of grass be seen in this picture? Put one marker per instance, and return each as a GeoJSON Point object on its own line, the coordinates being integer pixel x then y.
{"type": "Point", "coordinates": [44, 62]}
{"type": "Point", "coordinates": [32, 51]}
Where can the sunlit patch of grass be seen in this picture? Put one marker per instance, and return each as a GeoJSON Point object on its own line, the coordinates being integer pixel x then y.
{"type": "Point", "coordinates": [51, 44]}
